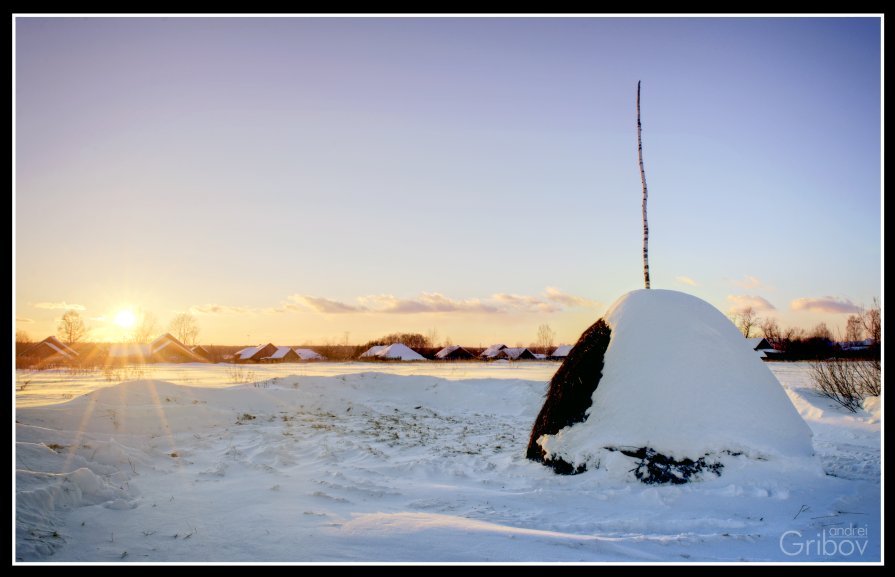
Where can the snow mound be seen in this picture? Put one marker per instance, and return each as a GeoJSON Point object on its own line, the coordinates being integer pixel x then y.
{"type": "Point", "coordinates": [873, 408]}
{"type": "Point", "coordinates": [680, 380]}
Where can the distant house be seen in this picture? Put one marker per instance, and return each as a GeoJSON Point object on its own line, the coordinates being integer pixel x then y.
{"type": "Point", "coordinates": [759, 343]}
{"type": "Point", "coordinates": [561, 352]}
{"type": "Point", "coordinates": [762, 347]}
{"type": "Point", "coordinates": [254, 354]}
{"type": "Point", "coordinates": [202, 352]}
{"type": "Point", "coordinates": [394, 352]}
{"type": "Point", "coordinates": [856, 345]}
{"type": "Point", "coordinates": [50, 349]}
{"type": "Point", "coordinates": [453, 353]}
{"type": "Point", "coordinates": [492, 352]}
{"type": "Point", "coordinates": [167, 349]}
{"type": "Point", "coordinates": [309, 355]}
{"type": "Point", "coordinates": [515, 354]}
{"type": "Point", "coordinates": [282, 355]}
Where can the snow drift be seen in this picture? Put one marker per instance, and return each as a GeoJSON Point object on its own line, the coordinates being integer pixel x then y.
{"type": "Point", "coordinates": [678, 381]}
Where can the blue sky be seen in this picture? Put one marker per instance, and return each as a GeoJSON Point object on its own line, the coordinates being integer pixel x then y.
{"type": "Point", "coordinates": [292, 179]}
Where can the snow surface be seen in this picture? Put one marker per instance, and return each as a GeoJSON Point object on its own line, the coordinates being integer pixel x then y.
{"type": "Point", "coordinates": [413, 462]}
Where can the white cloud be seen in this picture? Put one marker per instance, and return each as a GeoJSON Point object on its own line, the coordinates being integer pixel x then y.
{"type": "Point", "coordinates": [216, 309]}
{"type": "Point", "coordinates": [557, 296]}
{"type": "Point", "coordinates": [553, 300]}
{"type": "Point", "coordinates": [525, 303]}
{"type": "Point", "coordinates": [824, 305]}
{"type": "Point", "coordinates": [324, 305]}
{"type": "Point", "coordinates": [24, 320]}
{"type": "Point", "coordinates": [686, 280]}
{"type": "Point", "coordinates": [60, 306]}
{"type": "Point", "coordinates": [425, 303]}
{"type": "Point", "coordinates": [742, 302]}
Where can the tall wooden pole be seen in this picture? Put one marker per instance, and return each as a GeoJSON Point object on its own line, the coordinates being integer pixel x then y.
{"type": "Point", "coordinates": [643, 180]}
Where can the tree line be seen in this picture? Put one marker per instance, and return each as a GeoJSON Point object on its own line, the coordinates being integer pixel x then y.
{"type": "Point", "coordinates": [796, 343]}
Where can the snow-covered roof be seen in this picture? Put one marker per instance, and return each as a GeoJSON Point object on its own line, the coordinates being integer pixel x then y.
{"type": "Point", "coordinates": [167, 342]}
{"type": "Point", "coordinates": [514, 353]}
{"type": "Point", "coordinates": [280, 353]}
{"type": "Point", "coordinates": [248, 352]}
{"type": "Point", "coordinates": [446, 351]}
{"type": "Point", "coordinates": [396, 351]}
{"type": "Point", "coordinates": [373, 351]}
{"type": "Point", "coordinates": [55, 346]}
{"type": "Point", "coordinates": [540, 356]}
{"type": "Point", "coordinates": [562, 351]}
{"type": "Point", "coordinates": [492, 351]}
{"type": "Point", "coordinates": [401, 352]}
{"type": "Point", "coordinates": [60, 347]}
{"type": "Point", "coordinates": [309, 355]}
{"type": "Point", "coordinates": [758, 342]}
{"type": "Point", "coordinates": [159, 347]}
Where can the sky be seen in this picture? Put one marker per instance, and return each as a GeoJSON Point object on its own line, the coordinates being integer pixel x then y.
{"type": "Point", "coordinates": [316, 180]}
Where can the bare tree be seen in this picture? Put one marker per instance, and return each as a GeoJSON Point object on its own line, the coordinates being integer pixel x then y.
{"type": "Point", "coordinates": [71, 328]}
{"type": "Point", "coordinates": [854, 328]}
{"type": "Point", "coordinates": [643, 182]}
{"type": "Point", "coordinates": [747, 320]}
{"type": "Point", "coordinates": [22, 337]}
{"type": "Point", "coordinates": [822, 331]}
{"type": "Point", "coordinates": [432, 335]}
{"type": "Point", "coordinates": [771, 330]}
{"type": "Point", "coordinates": [847, 382]}
{"type": "Point", "coordinates": [793, 334]}
{"type": "Point", "coordinates": [545, 339]}
{"type": "Point", "coordinates": [872, 320]}
{"type": "Point", "coordinates": [185, 328]}
{"type": "Point", "coordinates": [146, 330]}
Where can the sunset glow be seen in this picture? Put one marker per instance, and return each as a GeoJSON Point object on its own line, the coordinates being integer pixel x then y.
{"type": "Point", "coordinates": [311, 180]}
{"type": "Point", "coordinates": [125, 318]}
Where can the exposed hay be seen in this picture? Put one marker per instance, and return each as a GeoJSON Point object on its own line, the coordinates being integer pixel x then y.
{"type": "Point", "coordinates": [657, 469]}
{"type": "Point", "coordinates": [569, 393]}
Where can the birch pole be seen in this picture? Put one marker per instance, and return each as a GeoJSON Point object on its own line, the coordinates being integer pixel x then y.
{"type": "Point", "coordinates": [643, 181]}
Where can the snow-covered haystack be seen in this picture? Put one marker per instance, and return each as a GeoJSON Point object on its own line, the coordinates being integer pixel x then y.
{"type": "Point", "coordinates": [668, 381]}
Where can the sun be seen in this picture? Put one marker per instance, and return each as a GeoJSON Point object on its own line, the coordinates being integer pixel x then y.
{"type": "Point", "coordinates": [125, 318]}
